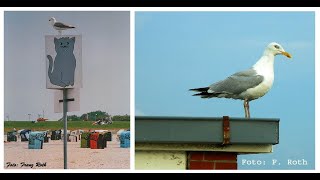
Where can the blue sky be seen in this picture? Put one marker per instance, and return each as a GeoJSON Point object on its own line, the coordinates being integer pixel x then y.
{"type": "Point", "coordinates": [105, 62]}
{"type": "Point", "coordinates": [176, 51]}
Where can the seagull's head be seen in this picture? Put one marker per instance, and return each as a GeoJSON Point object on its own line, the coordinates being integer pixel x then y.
{"type": "Point", "coordinates": [52, 20]}
{"type": "Point", "coordinates": [276, 49]}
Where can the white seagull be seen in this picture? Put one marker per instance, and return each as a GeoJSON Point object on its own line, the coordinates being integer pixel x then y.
{"type": "Point", "coordinates": [249, 84]}
{"type": "Point", "coordinates": [59, 25]}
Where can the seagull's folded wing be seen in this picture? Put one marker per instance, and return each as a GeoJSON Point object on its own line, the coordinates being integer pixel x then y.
{"type": "Point", "coordinates": [237, 83]}
{"type": "Point", "coordinates": [61, 25]}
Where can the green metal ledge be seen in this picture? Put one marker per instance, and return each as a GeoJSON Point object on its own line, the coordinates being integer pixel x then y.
{"type": "Point", "coordinates": [205, 130]}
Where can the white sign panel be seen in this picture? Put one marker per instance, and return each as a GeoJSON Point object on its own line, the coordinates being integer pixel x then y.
{"type": "Point", "coordinates": [63, 61]}
{"type": "Point", "coordinates": [73, 100]}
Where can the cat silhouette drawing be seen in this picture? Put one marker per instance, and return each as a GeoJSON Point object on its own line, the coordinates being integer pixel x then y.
{"type": "Point", "coordinates": [61, 70]}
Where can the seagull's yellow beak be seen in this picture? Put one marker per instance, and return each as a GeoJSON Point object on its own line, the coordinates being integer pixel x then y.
{"type": "Point", "coordinates": [286, 54]}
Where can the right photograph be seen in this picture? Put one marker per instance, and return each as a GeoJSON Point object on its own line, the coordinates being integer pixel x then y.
{"type": "Point", "coordinates": [225, 90]}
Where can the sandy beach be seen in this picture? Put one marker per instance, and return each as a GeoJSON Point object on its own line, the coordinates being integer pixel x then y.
{"type": "Point", "coordinates": [18, 156]}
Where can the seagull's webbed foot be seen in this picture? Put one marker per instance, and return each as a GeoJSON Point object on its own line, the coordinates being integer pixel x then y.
{"type": "Point", "coordinates": [246, 108]}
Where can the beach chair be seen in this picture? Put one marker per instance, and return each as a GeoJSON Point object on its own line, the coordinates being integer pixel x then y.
{"type": "Point", "coordinates": [85, 140]}
{"type": "Point", "coordinates": [25, 135]}
{"type": "Point", "coordinates": [125, 139]}
{"type": "Point", "coordinates": [11, 136]}
{"type": "Point", "coordinates": [36, 140]}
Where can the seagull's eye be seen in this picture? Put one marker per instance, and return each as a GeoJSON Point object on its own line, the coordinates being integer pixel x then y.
{"type": "Point", "coordinates": [276, 46]}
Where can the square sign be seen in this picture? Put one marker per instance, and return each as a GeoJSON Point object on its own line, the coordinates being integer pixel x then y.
{"type": "Point", "coordinates": [63, 61]}
{"type": "Point", "coordinates": [73, 100]}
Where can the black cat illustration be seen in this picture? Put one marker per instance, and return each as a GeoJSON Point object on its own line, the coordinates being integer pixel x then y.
{"type": "Point", "coordinates": [61, 70]}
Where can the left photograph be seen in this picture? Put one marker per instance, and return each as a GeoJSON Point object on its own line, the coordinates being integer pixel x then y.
{"type": "Point", "coordinates": [66, 90]}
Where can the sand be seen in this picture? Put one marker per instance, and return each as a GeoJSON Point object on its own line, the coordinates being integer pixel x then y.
{"type": "Point", "coordinates": [18, 156]}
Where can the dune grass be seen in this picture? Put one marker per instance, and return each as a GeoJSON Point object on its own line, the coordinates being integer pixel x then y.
{"type": "Point", "coordinates": [54, 125]}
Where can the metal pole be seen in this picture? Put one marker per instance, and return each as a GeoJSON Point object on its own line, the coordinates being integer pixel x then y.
{"type": "Point", "coordinates": [65, 140]}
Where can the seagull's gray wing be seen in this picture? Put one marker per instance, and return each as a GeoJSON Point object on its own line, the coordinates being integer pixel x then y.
{"type": "Point", "coordinates": [237, 83]}
{"type": "Point", "coordinates": [62, 25]}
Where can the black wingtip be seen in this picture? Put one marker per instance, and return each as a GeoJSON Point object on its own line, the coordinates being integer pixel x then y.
{"type": "Point", "coordinates": [203, 95]}
{"type": "Point", "coordinates": [204, 89]}
{"type": "Point", "coordinates": [196, 94]}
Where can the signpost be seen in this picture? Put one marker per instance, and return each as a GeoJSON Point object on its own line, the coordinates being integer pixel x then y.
{"type": "Point", "coordinates": [64, 71]}
{"type": "Point", "coordinates": [65, 129]}
{"type": "Point", "coordinates": [73, 102]}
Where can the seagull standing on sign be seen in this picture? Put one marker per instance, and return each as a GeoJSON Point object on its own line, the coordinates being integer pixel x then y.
{"type": "Point", "coordinates": [59, 25]}
{"type": "Point", "coordinates": [247, 85]}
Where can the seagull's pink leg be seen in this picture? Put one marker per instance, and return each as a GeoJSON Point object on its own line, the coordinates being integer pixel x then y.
{"type": "Point", "coordinates": [246, 108]}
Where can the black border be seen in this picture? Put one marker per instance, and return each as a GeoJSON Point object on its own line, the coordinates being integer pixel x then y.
{"type": "Point", "coordinates": [151, 175]}
{"type": "Point", "coordinates": [160, 3]}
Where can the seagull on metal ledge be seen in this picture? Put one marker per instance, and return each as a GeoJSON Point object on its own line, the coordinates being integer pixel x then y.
{"type": "Point", "coordinates": [249, 84]}
{"type": "Point", "coordinates": [59, 25]}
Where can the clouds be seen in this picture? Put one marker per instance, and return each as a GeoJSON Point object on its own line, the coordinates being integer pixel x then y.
{"type": "Point", "coordinates": [138, 112]}
{"type": "Point", "coordinates": [300, 44]}
{"type": "Point", "coordinates": [142, 21]}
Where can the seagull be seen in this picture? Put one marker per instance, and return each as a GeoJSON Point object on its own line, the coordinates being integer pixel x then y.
{"type": "Point", "coordinates": [59, 25]}
{"type": "Point", "coordinates": [249, 84]}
